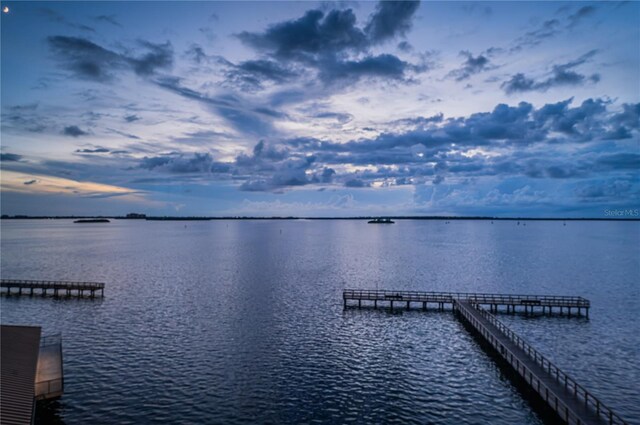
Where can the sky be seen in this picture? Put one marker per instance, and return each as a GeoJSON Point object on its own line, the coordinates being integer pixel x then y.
{"type": "Point", "coordinates": [503, 109]}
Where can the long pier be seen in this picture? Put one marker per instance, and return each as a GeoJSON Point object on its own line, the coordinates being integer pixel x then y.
{"type": "Point", "coordinates": [509, 303]}
{"type": "Point", "coordinates": [572, 403]}
{"type": "Point", "coordinates": [44, 287]}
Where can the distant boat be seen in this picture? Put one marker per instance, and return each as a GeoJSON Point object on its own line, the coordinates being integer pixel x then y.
{"type": "Point", "coordinates": [92, 220]}
{"type": "Point", "coordinates": [381, 221]}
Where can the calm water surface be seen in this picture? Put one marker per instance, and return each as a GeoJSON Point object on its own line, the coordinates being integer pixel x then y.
{"type": "Point", "coordinates": [242, 322]}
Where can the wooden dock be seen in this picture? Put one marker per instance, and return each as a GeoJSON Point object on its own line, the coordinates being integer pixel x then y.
{"type": "Point", "coordinates": [508, 303]}
{"type": "Point", "coordinates": [572, 403]}
{"type": "Point", "coordinates": [44, 287]}
{"type": "Point", "coordinates": [49, 381]}
{"type": "Point", "coordinates": [569, 400]}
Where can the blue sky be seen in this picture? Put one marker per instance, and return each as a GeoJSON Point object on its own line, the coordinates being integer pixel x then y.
{"type": "Point", "coordinates": [320, 108]}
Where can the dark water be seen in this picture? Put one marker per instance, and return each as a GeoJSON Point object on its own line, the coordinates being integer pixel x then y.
{"type": "Point", "coordinates": [242, 322]}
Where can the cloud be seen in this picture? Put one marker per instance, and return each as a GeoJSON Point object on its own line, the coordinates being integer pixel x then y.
{"type": "Point", "coordinates": [356, 183]}
{"type": "Point", "coordinates": [561, 75]}
{"type": "Point", "coordinates": [88, 60]}
{"type": "Point", "coordinates": [110, 19]}
{"type": "Point", "coordinates": [312, 34]}
{"type": "Point", "coordinates": [122, 133]}
{"type": "Point", "coordinates": [10, 157]}
{"type": "Point", "coordinates": [73, 131]}
{"type": "Point", "coordinates": [56, 17]}
{"type": "Point", "coordinates": [391, 19]}
{"type": "Point", "coordinates": [254, 73]}
{"type": "Point", "coordinates": [180, 163]}
{"type": "Point", "coordinates": [405, 46]}
{"type": "Point", "coordinates": [244, 117]}
{"type": "Point", "coordinates": [384, 66]}
{"type": "Point", "coordinates": [131, 118]}
{"type": "Point", "coordinates": [85, 58]}
{"type": "Point", "coordinates": [332, 45]}
{"type": "Point", "coordinates": [612, 190]}
{"type": "Point", "coordinates": [580, 15]}
{"type": "Point", "coordinates": [96, 150]}
{"type": "Point", "coordinates": [472, 65]}
{"type": "Point", "coordinates": [159, 56]}
{"type": "Point", "coordinates": [549, 29]}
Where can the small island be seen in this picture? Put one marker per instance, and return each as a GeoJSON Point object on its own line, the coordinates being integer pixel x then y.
{"type": "Point", "coordinates": [381, 221]}
{"type": "Point", "coordinates": [92, 220]}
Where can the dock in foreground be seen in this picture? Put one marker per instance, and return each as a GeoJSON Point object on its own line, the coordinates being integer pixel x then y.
{"type": "Point", "coordinates": [31, 370]}
{"type": "Point", "coordinates": [572, 403]}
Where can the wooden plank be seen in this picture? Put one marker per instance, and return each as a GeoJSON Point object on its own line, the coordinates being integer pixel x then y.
{"type": "Point", "coordinates": [18, 361]}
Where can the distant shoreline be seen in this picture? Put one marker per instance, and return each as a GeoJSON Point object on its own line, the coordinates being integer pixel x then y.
{"type": "Point", "coordinates": [187, 218]}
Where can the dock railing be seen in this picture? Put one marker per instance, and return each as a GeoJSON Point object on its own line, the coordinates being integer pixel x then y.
{"type": "Point", "coordinates": [479, 298]}
{"type": "Point", "coordinates": [51, 388]}
{"type": "Point", "coordinates": [561, 377]}
{"type": "Point", "coordinates": [50, 284]}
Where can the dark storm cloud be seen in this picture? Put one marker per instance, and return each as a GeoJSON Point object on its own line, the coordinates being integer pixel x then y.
{"type": "Point", "coordinates": [314, 33]}
{"type": "Point", "coordinates": [472, 65]}
{"type": "Point", "coordinates": [583, 123]}
{"type": "Point", "coordinates": [10, 157]}
{"type": "Point", "coordinates": [391, 19]}
{"type": "Point", "coordinates": [74, 131]}
{"type": "Point", "coordinates": [384, 66]}
{"type": "Point", "coordinates": [561, 75]}
{"type": "Point", "coordinates": [90, 61]}
{"type": "Point", "coordinates": [332, 45]}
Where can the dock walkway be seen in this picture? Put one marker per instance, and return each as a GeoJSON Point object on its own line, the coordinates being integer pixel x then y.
{"type": "Point", "coordinates": [509, 303]}
{"type": "Point", "coordinates": [43, 287]}
{"type": "Point", "coordinates": [572, 402]}
{"type": "Point", "coordinates": [49, 381]}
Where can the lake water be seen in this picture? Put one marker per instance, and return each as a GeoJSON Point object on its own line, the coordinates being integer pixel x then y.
{"type": "Point", "coordinates": [241, 322]}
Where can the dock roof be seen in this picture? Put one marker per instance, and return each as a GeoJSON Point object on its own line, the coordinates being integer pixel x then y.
{"type": "Point", "coordinates": [19, 347]}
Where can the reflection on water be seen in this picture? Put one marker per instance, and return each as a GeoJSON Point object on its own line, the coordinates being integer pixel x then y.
{"type": "Point", "coordinates": [242, 322]}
